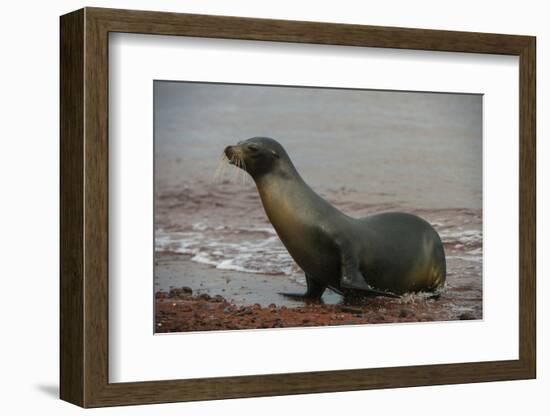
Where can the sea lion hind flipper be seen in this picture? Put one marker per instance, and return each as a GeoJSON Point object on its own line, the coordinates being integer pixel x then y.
{"type": "Point", "coordinates": [351, 277]}
{"type": "Point", "coordinates": [374, 292]}
{"type": "Point", "coordinates": [354, 280]}
{"type": "Point", "coordinates": [358, 283]}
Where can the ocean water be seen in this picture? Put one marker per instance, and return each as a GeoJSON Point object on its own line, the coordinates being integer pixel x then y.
{"type": "Point", "coordinates": [364, 151]}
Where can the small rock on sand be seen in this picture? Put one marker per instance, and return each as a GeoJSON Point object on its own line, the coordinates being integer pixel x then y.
{"type": "Point", "coordinates": [406, 312]}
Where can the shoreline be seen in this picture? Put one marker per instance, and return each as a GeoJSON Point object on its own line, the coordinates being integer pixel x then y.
{"type": "Point", "coordinates": [190, 296]}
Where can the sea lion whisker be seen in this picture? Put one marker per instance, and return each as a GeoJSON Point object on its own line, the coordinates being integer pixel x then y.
{"type": "Point", "coordinates": [219, 172]}
{"type": "Point", "coordinates": [235, 161]}
{"type": "Point", "coordinates": [218, 168]}
{"type": "Point", "coordinates": [238, 177]}
{"type": "Point", "coordinates": [244, 172]}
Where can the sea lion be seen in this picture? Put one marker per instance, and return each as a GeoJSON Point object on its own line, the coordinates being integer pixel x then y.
{"type": "Point", "coordinates": [387, 254]}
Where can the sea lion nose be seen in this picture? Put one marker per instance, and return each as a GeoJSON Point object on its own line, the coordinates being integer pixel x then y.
{"type": "Point", "coordinates": [228, 151]}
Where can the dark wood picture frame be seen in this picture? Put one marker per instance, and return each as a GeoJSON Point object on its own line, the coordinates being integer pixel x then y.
{"type": "Point", "coordinates": [84, 207]}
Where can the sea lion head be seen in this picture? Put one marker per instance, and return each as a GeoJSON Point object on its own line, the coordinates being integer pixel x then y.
{"type": "Point", "coordinates": [258, 156]}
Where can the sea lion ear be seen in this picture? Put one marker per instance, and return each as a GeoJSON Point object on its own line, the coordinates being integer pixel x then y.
{"type": "Point", "coordinates": [275, 154]}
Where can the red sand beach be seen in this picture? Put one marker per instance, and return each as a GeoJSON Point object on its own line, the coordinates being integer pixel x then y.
{"type": "Point", "coordinates": [181, 311]}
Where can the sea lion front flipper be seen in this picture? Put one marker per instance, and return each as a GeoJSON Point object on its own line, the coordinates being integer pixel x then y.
{"type": "Point", "coordinates": [314, 291]}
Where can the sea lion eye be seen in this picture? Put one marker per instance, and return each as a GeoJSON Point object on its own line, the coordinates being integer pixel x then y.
{"type": "Point", "coordinates": [253, 147]}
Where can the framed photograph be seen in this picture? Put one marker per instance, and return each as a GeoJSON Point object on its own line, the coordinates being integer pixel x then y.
{"type": "Point", "coordinates": [255, 207]}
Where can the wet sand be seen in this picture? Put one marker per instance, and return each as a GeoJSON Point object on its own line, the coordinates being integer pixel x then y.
{"type": "Point", "coordinates": [177, 270]}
